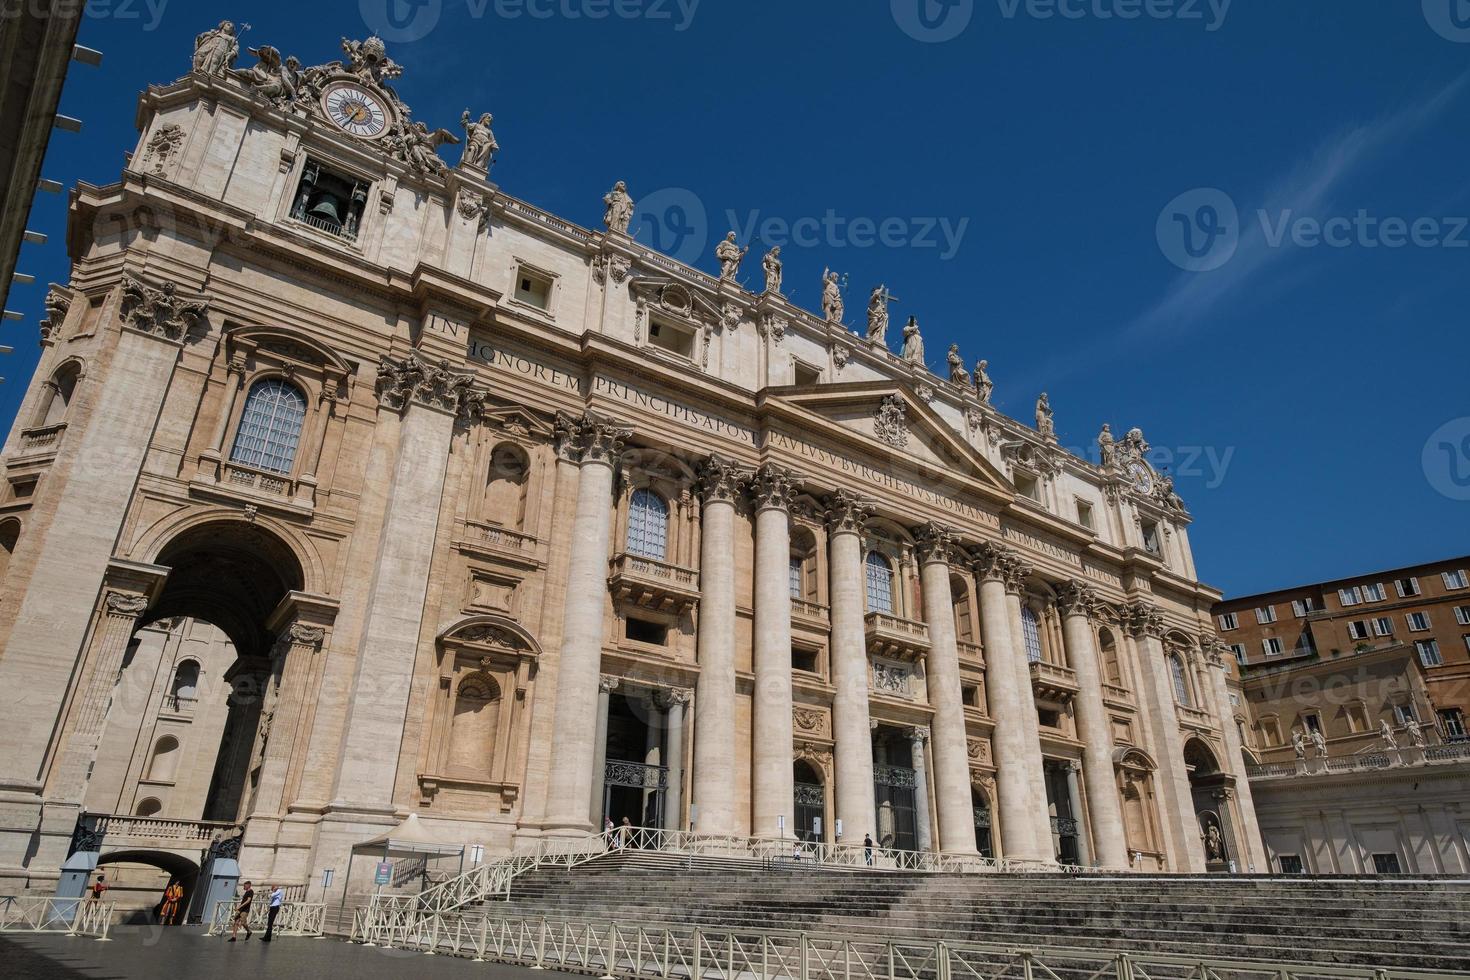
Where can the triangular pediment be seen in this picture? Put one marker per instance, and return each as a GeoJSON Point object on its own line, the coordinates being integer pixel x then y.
{"type": "Point", "coordinates": [886, 418]}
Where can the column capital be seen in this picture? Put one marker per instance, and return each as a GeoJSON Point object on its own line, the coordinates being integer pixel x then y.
{"type": "Point", "coordinates": [846, 513]}
{"type": "Point", "coordinates": [719, 480]}
{"type": "Point", "coordinates": [935, 543]}
{"type": "Point", "coordinates": [1215, 652]}
{"type": "Point", "coordinates": [590, 438]}
{"type": "Point", "coordinates": [161, 311]}
{"type": "Point", "coordinates": [1140, 619]}
{"type": "Point", "coordinates": [413, 380]}
{"type": "Point", "coordinates": [1017, 572]}
{"type": "Point", "coordinates": [125, 605]}
{"type": "Point", "coordinates": [302, 635]}
{"type": "Point", "coordinates": [918, 734]}
{"type": "Point", "coordinates": [992, 562]}
{"type": "Point", "coordinates": [1076, 598]}
{"type": "Point", "coordinates": [670, 696]}
{"type": "Point", "coordinates": [773, 487]}
{"type": "Point", "coordinates": [607, 683]}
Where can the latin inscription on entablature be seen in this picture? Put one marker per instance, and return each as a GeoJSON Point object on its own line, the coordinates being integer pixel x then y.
{"type": "Point", "coordinates": [485, 352]}
{"type": "Point", "coordinates": [1026, 540]}
{"type": "Point", "coordinates": [660, 405]}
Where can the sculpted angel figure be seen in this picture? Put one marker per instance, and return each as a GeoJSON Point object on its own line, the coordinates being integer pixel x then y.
{"type": "Point", "coordinates": [832, 305]}
{"type": "Point", "coordinates": [215, 51]}
{"type": "Point", "coordinates": [913, 342]}
{"type": "Point", "coordinates": [619, 213]}
{"type": "Point", "coordinates": [479, 141]}
{"type": "Point", "coordinates": [730, 255]}
{"type": "Point", "coordinates": [878, 316]}
{"type": "Point", "coordinates": [957, 373]}
{"type": "Point", "coordinates": [983, 384]}
{"type": "Point", "coordinates": [419, 147]}
{"type": "Point", "coordinates": [1044, 420]}
{"type": "Point", "coordinates": [773, 267]}
{"type": "Point", "coordinates": [273, 80]}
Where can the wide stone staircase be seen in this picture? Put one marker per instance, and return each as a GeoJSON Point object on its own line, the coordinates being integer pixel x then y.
{"type": "Point", "coordinates": [1419, 924]}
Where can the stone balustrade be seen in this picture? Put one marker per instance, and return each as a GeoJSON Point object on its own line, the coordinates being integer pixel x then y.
{"type": "Point", "coordinates": [1053, 682]}
{"type": "Point", "coordinates": [890, 636]}
{"type": "Point", "coordinates": [653, 584]}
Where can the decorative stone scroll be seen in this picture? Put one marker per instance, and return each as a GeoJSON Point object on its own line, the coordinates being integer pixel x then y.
{"type": "Point", "coordinates": [774, 487]}
{"type": "Point", "coordinates": [126, 604]}
{"type": "Point", "coordinates": [307, 636]}
{"type": "Point", "coordinates": [404, 381]}
{"type": "Point", "coordinates": [161, 311]}
{"type": "Point", "coordinates": [162, 147]}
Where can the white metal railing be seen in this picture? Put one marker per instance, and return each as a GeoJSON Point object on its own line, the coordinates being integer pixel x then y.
{"type": "Point", "coordinates": [294, 918]}
{"type": "Point", "coordinates": [659, 952]}
{"type": "Point", "coordinates": [72, 916]}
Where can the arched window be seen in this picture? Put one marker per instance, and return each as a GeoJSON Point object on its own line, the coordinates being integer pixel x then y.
{"type": "Point", "coordinates": [165, 760]}
{"type": "Point", "coordinates": [9, 538]}
{"type": "Point", "coordinates": [1181, 682]}
{"type": "Point", "coordinates": [505, 496]}
{"type": "Point", "coordinates": [880, 584]}
{"type": "Point", "coordinates": [648, 525]}
{"type": "Point", "coordinates": [62, 387]}
{"type": "Point", "coordinates": [148, 808]}
{"type": "Point", "coordinates": [476, 717]}
{"type": "Point", "coordinates": [270, 428]}
{"type": "Point", "coordinates": [186, 681]}
{"type": "Point", "coordinates": [1031, 630]}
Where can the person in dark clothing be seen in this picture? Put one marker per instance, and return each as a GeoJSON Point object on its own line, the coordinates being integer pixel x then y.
{"type": "Point", "coordinates": [242, 913]}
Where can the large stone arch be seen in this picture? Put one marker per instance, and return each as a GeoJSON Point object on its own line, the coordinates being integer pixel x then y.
{"type": "Point", "coordinates": [153, 540]}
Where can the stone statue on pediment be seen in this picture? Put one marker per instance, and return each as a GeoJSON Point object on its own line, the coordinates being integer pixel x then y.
{"type": "Point", "coordinates": [215, 51]}
{"type": "Point", "coordinates": [1105, 444]}
{"type": "Point", "coordinates": [1299, 745]}
{"type": "Point", "coordinates": [276, 81]}
{"type": "Point", "coordinates": [1045, 421]}
{"type": "Point", "coordinates": [369, 61]}
{"type": "Point", "coordinates": [479, 141]}
{"type": "Point", "coordinates": [730, 255]}
{"type": "Point", "coordinates": [913, 342]}
{"type": "Point", "coordinates": [878, 316]}
{"type": "Point", "coordinates": [1386, 734]}
{"type": "Point", "coordinates": [957, 373]}
{"type": "Point", "coordinates": [983, 385]}
{"type": "Point", "coordinates": [1415, 732]}
{"type": "Point", "coordinates": [1319, 742]}
{"type": "Point", "coordinates": [774, 269]}
{"type": "Point", "coordinates": [832, 305]}
{"type": "Point", "coordinates": [619, 209]}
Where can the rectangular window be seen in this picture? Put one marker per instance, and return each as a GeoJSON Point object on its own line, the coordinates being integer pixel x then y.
{"type": "Point", "coordinates": [794, 576]}
{"type": "Point", "coordinates": [1407, 587]}
{"type": "Point", "coordinates": [970, 695]}
{"type": "Point", "coordinates": [1358, 630]}
{"type": "Point", "coordinates": [806, 375]}
{"type": "Point", "coordinates": [1455, 580]}
{"type": "Point", "coordinates": [1313, 722]}
{"type": "Point", "coordinates": [1151, 541]}
{"type": "Point", "coordinates": [1029, 486]}
{"type": "Point", "coordinates": [805, 660]}
{"type": "Point", "coordinates": [533, 288]}
{"type": "Point", "coordinates": [1452, 724]}
{"type": "Point", "coordinates": [1429, 652]}
{"type": "Point", "coordinates": [1404, 713]}
{"type": "Point", "coordinates": [643, 631]}
{"type": "Point", "coordinates": [1462, 615]}
{"type": "Point", "coordinates": [1084, 515]}
{"type": "Point", "coordinates": [1239, 650]}
{"type": "Point", "coordinates": [1383, 626]}
{"type": "Point", "coordinates": [1265, 614]}
{"type": "Point", "coordinates": [330, 202]}
{"type": "Point", "coordinates": [1418, 622]}
{"type": "Point", "coordinates": [1374, 592]}
{"type": "Point", "coordinates": [1386, 864]}
{"type": "Point", "coordinates": [1290, 864]}
{"type": "Point", "coordinates": [1350, 597]}
{"type": "Point", "coordinates": [1303, 608]}
{"type": "Point", "coordinates": [675, 339]}
{"type": "Point", "coordinates": [1228, 621]}
{"type": "Point", "coordinates": [1272, 646]}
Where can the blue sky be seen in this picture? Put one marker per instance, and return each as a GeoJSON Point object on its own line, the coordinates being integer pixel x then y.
{"type": "Point", "coordinates": [1075, 195]}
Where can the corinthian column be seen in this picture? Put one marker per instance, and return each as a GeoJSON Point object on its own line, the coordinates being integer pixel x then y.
{"type": "Point", "coordinates": [774, 788]}
{"type": "Point", "coordinates": [1145, 625]}
{"type": "Point", "coordinates": [851, 729]}
{"type": "Point", "coordinates": [1016, 576]}
{"type": "Point", "coordinates": [1018, 833]}
{"type": "Point", "coordinates": [598, 444]}
{"type": "Point", "coordinates": [952, 794]}
{"type": "Point", "coordinates": [713, 790]}
{"type": "Point", "coordinates": [1110, 845]}
{"type": "Point", "coordinates": [1249, 839]}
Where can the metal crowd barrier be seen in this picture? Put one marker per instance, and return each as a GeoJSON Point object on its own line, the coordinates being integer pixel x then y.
{"type": "Point", "coordinates": [640, 952]}
{"type": "Point", "coordinates": [294, 918]}
{"type": "Point", "coordinates": [72, 916]}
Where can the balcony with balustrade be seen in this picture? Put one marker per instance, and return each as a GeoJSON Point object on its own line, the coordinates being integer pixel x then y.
{"type": "Point", "coordinates": [653, 584]}
{"type": "Point", "coordinates": [1053, 682]}
{"type": "Point", "coordinates": [971, 654]}
{"type": "Point", "coordinates": [811, 615]}
{"type": "Point", "coordinates": [890, 636]}
{"type": "Point", "coordinates": [1195, 718]}
{"type": "Point", "coordinates": [494, 541]}
{"type": "Point", "coordinates": [41, 438]}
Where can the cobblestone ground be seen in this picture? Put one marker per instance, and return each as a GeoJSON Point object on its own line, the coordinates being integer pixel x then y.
{"type": "Point", "coordinates": [185, 953]}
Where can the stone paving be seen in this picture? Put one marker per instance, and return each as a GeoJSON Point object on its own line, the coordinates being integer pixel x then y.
{"type": "Point", "coordinates": [185, 953]}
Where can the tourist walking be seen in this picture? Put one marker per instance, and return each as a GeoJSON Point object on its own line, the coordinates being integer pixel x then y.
{"type": "Point", "coordinates": [625, 833]}
{"type": "Point", "coordinates": [99, 888]}
{"type": "Point", "coordinates": [242, 913]}
{"type": "Point", "coordinates": [868, 849]}
{"type": "Point", "coordinates": [277, 897]}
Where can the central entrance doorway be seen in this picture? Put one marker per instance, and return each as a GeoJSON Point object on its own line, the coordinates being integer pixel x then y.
{"type": "Point", "coordinates": [636, 775]}
{"type": "Point", "coordinates": [810, 803]}
{"type": "Point", "coordinates": [895, 790]}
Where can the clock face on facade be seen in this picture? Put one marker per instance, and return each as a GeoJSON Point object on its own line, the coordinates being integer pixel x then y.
{"type": "Point", "coordinates": [1143, 478]}
{"type": "Point", "coordinates": [356, 111]}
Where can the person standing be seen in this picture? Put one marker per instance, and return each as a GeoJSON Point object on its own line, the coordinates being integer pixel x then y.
{"type": "Point", "coordinates": [242, 913]}
{"type": "Point", "coordinates": [868, 849]}
{"type": "Point", "coordinates": [278, 896]}
{"type": "Point", "coordinates": [168, 913]}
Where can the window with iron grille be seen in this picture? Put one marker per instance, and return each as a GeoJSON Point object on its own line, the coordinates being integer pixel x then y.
{"type": "Point", "coordinates": [648, 525]}
{"type": "Point", "coordinates": [270, 427]}
{"type": "Point", "coordinates": [1181, 682]}
{"type": "Point", "coordinates": [1031, 630]}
